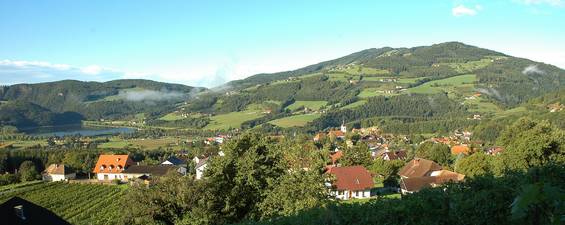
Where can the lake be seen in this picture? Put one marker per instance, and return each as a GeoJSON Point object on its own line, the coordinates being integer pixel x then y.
{"type": "Point", "coordinates": [61, 131]}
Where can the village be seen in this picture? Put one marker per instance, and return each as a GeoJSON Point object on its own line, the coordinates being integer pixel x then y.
{"type": "Point", "coordinates": [343, 182]}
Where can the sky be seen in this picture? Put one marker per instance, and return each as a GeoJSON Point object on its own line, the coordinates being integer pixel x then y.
{"type": "Point", "coordinates": [207, 43]}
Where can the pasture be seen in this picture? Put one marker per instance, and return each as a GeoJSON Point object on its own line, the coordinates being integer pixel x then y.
{"type": "Point", "coordinates": [314, 105]}
{"type": "Point", "coordinates": [233, 119]}
{"type": "Point", "coordinates": [295, 121]}
{"type": "Point", "coordinates": [451, 84]}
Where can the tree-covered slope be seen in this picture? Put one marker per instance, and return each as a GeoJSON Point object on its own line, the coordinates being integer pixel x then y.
{"type": "Point", "coordinates": [96, 100]}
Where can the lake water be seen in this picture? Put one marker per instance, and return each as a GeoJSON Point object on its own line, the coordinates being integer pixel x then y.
{"type": "Point", "coordinates": [61, 131]}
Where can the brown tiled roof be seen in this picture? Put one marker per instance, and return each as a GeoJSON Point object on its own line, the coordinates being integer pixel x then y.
{"type": "Point", "coordinates": [417, 183]}
{"type": "Point", "coordinates": [154, 170]}
{"type": "Point", "coordinates": [352, 178]}
{"type": "Point", "coordinates": [112, 163]}
{"type": "Point", "coordinates": [419, 168]}
{"type": "Point", "coordinates": [59, 169]}
{"type": "Point", "coordinates": [395, 155]}
{"type": "Point", "coordinates": [337, 133]}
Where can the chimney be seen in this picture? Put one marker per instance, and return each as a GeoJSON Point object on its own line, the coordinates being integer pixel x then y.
{"type": "Point", "coordinates": [19, 211]}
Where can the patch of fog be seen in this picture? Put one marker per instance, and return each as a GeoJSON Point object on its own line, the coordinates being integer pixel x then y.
{"type": "Point", "coordinates": [150, 95]}
{"type": "Point", "coordinates": [532, 70]}
{"type": "Point", "coordinates": [490, 92]}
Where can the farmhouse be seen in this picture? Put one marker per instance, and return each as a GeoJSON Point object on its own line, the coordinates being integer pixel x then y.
{"type": "Point", "coordinates": [351, 182]}
{"type": "Point", "coordinates": [111, 167]}
{"type": "Point", "coordinates": [421, 173]}
{"type": "Point", "coordinates": [58, 172]}
{"type": "Point", "coordinates": [201, 164]}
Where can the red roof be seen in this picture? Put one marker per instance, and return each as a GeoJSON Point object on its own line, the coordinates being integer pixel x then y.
{"type": "Point", "coordinates": [419, 168]}
{"type": "Point", "coordinates": [112, 163]}
{"type": "Point", "coordinates": [354, 178]}
{"type": "Point", "coordinates": [458, 149]}
{"type": "Point", "coordinates": [337, 133]}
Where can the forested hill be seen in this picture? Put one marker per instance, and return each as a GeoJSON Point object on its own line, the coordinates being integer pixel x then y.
{"type": "Point", "coordinates": [404, 89]}
{"type": "Point", "coordinates": [95, 100]}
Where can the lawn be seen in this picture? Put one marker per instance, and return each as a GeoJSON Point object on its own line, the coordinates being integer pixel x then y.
{"type": "Point", "coordinates": [295, 121]}
{"type": "Point", "coordinates": [233, 119]}
{"type": "Point", "coordinates": [75, 203]}
{"type": "Point", "coordinates": [314, 105]}
{"type": "Point", "coordinates": [172, 117]}
{"type": "Point", "coordinates": [447, 84]}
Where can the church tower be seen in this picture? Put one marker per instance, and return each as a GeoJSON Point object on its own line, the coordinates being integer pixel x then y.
{"type": "Point", "coordinates": [343, 127]}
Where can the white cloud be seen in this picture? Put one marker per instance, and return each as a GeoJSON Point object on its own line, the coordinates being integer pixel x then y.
{"type": "Point", "coordinates": [92, 69]}
{"type": "Point", "coordinates": [461, 10]}
{"type": "Point", "coordinates": [16, 71]}
{"type": "Point", "coordinates": [27, 64]}
{"type": "Point", "coordinates": [532, 69]}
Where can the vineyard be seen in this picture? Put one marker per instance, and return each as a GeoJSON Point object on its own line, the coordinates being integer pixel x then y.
{"type": "Point", "coordinates": [76, 203]}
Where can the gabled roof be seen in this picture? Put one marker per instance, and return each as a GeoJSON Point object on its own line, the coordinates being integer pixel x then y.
{"type": "Point", "coordinates": [58, 169]}
{"type": "Point", "coordinates": [395, 155]}
{"type": "Point", "coordinates": [417, 183]}
{"type": "Point", "coordinates": [154, 170]}
{"type": "Point", "coordinates": [202, 162]}
{"type": "Point", "coordinates": [112, 163]}
{"type": "Point", "coordinates": [175, 161]}
{"type": "Point", "coordinates": [352, 178]}
{"type": "Point", "coordinates": [419, 168]}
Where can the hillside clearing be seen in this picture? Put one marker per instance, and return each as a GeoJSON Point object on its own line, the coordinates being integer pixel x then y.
{"type": "Point", "coordinates": [295, 121]}
{"type": "Point", "coordinates": [314, 105]}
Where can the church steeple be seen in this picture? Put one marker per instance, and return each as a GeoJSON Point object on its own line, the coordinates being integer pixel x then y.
{"type": "Point", "coordinates": [343, 128]}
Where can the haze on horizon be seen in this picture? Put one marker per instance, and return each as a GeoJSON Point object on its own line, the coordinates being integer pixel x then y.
{"type": "Point", "coordinates": [209, 43]}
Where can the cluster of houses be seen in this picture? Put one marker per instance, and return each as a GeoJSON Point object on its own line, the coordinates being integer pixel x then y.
{"type": "Point", "coordinates": [356, 182]}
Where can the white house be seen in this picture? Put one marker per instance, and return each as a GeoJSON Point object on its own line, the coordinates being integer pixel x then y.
{"type": "Point", "coordinates": [111, 167]}
{"type": "Point", "coordinates": [351, 182]}
{"type": "Point", "coordinates": [201, 165]}
{"type": "Point", "coordinates": [58, 172]}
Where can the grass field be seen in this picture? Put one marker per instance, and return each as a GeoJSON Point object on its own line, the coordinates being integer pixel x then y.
{"type": "Point", "coordinates": [295, 121]}
{"type": "Point", "coordinates": [470, 66]}
{"type": "Point", "coordinates": [76, 203]}
{"type": "Point", "coordinates": [314, 105]}
{"type": "Point", "coordinates": [172, 117]}
{"type": "Point", "coordinates": [482, 106]}
{"type": "Point", "coordinates": [361, 70]}
{"type": "Point", "coordinates": [117, 143]}
{"type": "Point", "coordinates": [448, 84]}
{"type": "Point", "coordinates": [233, 119]}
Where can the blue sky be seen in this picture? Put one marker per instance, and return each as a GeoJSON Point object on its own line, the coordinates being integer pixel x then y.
{"type": "Point", "coordinates": [205, 43]}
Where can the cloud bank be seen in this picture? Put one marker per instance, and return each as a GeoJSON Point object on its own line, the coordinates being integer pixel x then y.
{"type": "Point", "coordinates": [532, 70]}
{"type": "Point", "coordinates": [150, 95]}
{"type": "Point", "coordinates": [14, 72]}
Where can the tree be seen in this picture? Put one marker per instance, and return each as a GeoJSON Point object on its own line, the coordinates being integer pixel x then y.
{"type": "Point", "coordinates": [477, 164]}
{"type": "Point", "coordinates": [388, 169]}
{"type": "Point", "coordinates": [294, 192]}
{"type": "Point", "coordinates": [436, 152]}
{"type": "Point", "coordinates": [530, 143]}
{"type": "Point", "coordinates": [28, 172]}
{"type": "Point", "coordinates": [356, 155]}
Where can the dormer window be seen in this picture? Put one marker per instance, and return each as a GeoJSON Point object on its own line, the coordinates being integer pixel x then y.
{"type": "Point", "coordinates": [120, 168]}
{"type": "Point", "coordinates": [102, 167]}
{"type": "Point", "coordinates": [111, 167]}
